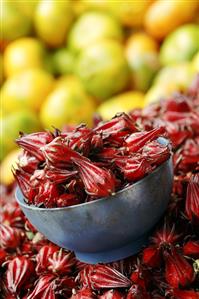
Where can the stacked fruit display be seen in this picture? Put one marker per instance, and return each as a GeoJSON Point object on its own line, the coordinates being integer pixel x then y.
{"type": "Point", "coordinates": [63, 60]}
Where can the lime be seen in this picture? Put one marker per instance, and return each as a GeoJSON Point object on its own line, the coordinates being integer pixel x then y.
{"type": "Point", "coordinates": [12, 124]}
{"type": "Point", "coordinates": [52, 21]}
{"type": "Point", "coordinates": [26, 90]}
{"type": "Point", "coordinates": [180, 45]}
{"type": "Point", "coordinates": [92, 27]}
{"type": "Point", "coordinates": [124, 102]}
{"type": "Point", "coordinates": [67, 104]}
{"type": "Point", "coordinates": [103, 69]}
{"type": "Point", "coordinates": [63, 61]}
{"type": "Point", "coordinates": [22, 54]}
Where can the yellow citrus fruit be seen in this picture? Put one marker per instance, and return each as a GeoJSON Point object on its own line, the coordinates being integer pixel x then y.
{"type": "Point", "coordinates": [14, 23]}
{"type": "Point", "coordinates": [62, 61]}
{"type": "Point", "coordinates": [67, 104]}
{"type": "Point", "coordinates": [52, 21]}
{"type": "Point", "coordinates": [130, 13]}
{"type": "Point", "coordinates": [124, 102]}
{"type": "Point", "coordinates": [164, 16]}
{"type": "Point", "coordinates": [26, 7]}
{"type": "Point", "coordinates": [23, 120]}
{"type": "Point", "coordinates": [92, 27]}
{"type": "Point", "coordinates": [195, 62]}
{"type": "Point", "coordinates": [170, 79]}
{"type": "Point", "coordinates": [10, 160]}
{"type": "Point", "coordinates": [1, 69]}
{"type": "Point", "coordinates": [142, 56]}
{"type": "Point", "coordinates": [22, 54]}
{"type": "Point", "coordinates": [26, 90]}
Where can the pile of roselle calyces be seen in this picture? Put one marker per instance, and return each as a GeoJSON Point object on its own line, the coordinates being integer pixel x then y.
{"type": "Point", "coordinates": [67, 168]}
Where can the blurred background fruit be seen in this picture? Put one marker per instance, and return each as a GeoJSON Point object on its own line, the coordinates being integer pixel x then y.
{"type": "Point", "coordinates": [61, 61]}
{"type": "Point", "coordinates": [14, 23]}
{"type": "Point", "coordinates": [67, 104]}
{"type": "Point", "coordinates": [6, 176]}
{"type": "Point", "coordinates": [92, 27]}
{"type": "Point", "coordinates": [103, 69]}
{"type": "Point", "coordinates": [124, 102]}
{"type": "Point", "coordinates": [164, 16]}
{"type": "Point", "coordinates": [180, 45]}
{"type": "Point", "coordinates": [27, 89]}
{"type": "Point", "coordinates": [12, 124]}
{"type": "Point", "coordinates": [142, 56]}
{"type": "Point", "coordinates": [129, 13]}
{"type": "Point", "coordinates": [22, 54]}
{"type": "Point", "coordinates": [52, 21]}
{"type": "Point", "coordinates": [170, 79]}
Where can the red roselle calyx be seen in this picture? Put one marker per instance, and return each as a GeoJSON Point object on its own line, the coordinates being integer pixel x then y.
{"type": "Point", "coordinates": [155, 152]}
{"type": "Point", "coordinates": [32, 143]}
{"type": "Point", "coordinates": [183, 294]}
{"type": "Point", "coordinates": [84, 293]}
{"type": "Point", "coordinates": [101, 276]}
{"type": "Point", "coordinates": [178, 272]}
{"type": "Point", "coordinates": [133, 168]}
{"type": "Point", "coordinates": [61, 262]}
{"type": "Point", "coordinates": [19, 271]}
{"type": "Point", "coordinates": [192, 199]}
{"type": "Point", "coordinates": [112, 294]}
{"type": "Point", "coordinates": [97, 181]}
{"type": "Point", "coordinates": [58, 154]}
{"type": "Point", "coordinates": [43, 256]}
{"type": "Point", "coordinates": [10, 237]}
{"type": "Point", "coordinates": [43, 288]}
{"type": "Point", "coordinates": [137, 292]}
{"type": "Point", "coordinates": [191, 248]}
{"type": "Point", "coordinates": [136, 141]}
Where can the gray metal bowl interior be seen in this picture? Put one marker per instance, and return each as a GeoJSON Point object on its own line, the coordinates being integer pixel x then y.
{"type": "Point", "coordinates": [107, 223]}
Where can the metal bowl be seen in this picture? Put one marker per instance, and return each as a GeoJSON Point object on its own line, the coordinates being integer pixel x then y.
{"type": "Point", "coordinates": [110, 228]}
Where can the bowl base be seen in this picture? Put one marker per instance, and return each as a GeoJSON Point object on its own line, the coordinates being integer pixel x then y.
{"type": "Point", "coordinates": [115, 254]}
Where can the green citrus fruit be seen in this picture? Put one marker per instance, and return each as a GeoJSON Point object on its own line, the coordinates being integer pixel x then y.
{"type": "Point", "coordinates": [103, 69]}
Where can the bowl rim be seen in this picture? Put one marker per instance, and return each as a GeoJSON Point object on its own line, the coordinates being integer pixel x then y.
{"type": "Point", "coordinates": [111, 197]}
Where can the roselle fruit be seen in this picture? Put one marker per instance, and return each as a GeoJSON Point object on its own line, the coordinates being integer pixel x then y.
{"type": "Point", "coordinates": [112, 294]}
{"type": "Point", "coordinates": [59, 175]}
{"type": "Point", "coordinates": [151, 256]}
{"type": "Point", "coordinates": [58, 154]}
{"type": "Point", "coordinates": [84, 293]}
{"type": "Point", "coordinates": [101, 276]}
{"type": "Point", "coordinates": [2, 256]}
{"type": "Point", "coordinates": [20, 269]}
{"type": "Point", "coordinates": [184, 294]}
{"type": "Point", "coordinates": [43, 288]}
{"type": "Point", "coordinates": [155, 152]}
{"type": "Point", "coordinates": [97, 181]}
{"type": "Point", "coordinates": [133, 168]}
{"type": "Point", "coordinates": [10, 237]}
{"type": "Point", "coordinates": [136, 141]}
{"type": "Point", "coordinates": [192, 199]}
{"type": "Point", "coordinates": [191, 248]}
{"type": "Point", "coordinates": [137, 292]}
{"type": "Point", "coordinates": [28, 162]}
{"type": "Point", "coordinates": [178, 272]}
{"type": "Point", "coordinates": [43, 256]}
{"type": "Point", "coordinates": [32, 143]}
{"type": "Point", "coordinates": [61, 262]}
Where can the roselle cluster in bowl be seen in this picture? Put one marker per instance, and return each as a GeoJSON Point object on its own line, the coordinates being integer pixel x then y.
{"type": "Point", "coordinates": [67, 168]}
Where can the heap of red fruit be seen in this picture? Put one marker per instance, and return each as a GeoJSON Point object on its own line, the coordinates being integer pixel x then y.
{"type": "Point", "coordinates": [31, 267]}
{"type": "Point", "coordinates": [67, 168]}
